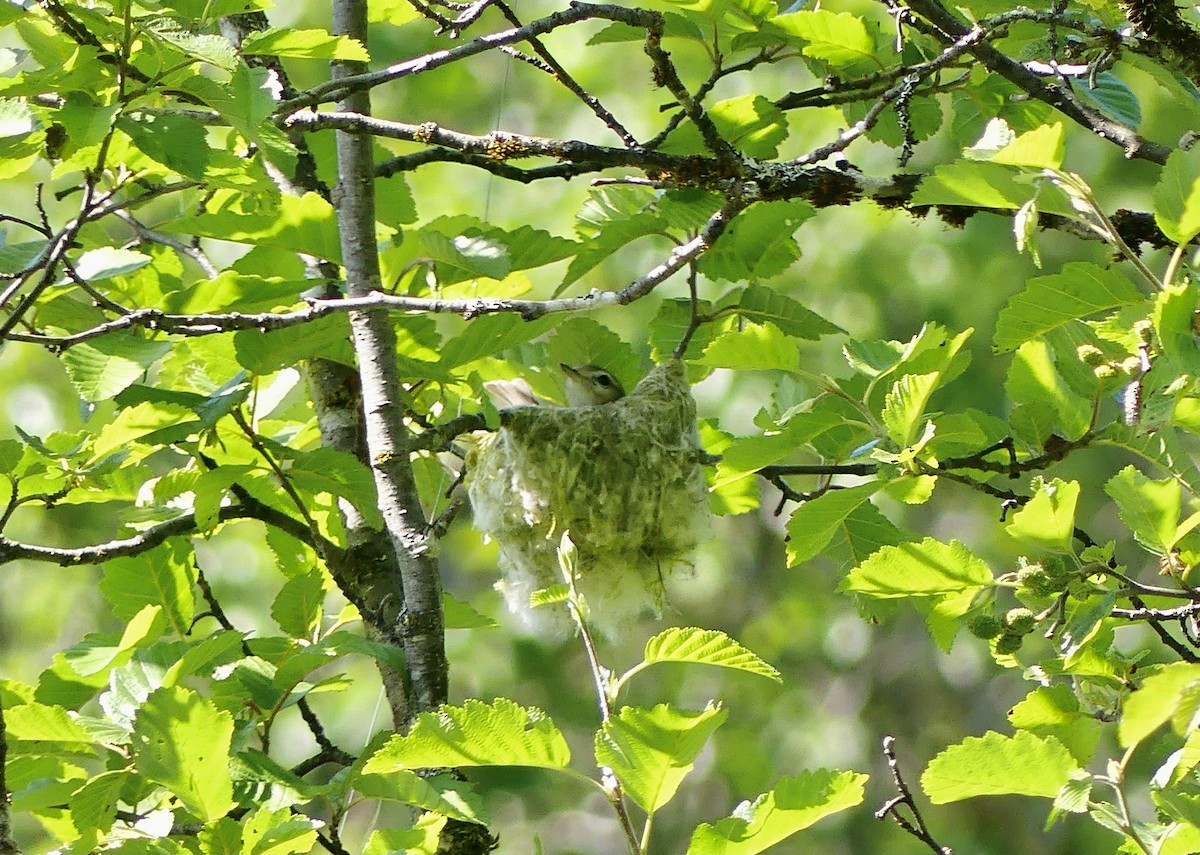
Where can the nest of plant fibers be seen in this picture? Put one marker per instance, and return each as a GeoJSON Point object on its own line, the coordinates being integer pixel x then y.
{"type": "Point", "coordinates": [624, 479]}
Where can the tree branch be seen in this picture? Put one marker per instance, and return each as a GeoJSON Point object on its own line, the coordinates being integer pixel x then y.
{"type": "Point", "coordinates": [422, 625]}
{"type": "Point", "coordinates": [1056, 96]}
{"type": "Point", "coordinates": [11, 550]}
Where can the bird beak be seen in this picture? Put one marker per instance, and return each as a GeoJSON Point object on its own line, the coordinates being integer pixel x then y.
{"type": "Point", "coordinates": [569, 371]}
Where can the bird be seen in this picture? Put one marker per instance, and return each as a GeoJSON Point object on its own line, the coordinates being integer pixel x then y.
{"type": "Point", "coordinates": [586, 385]}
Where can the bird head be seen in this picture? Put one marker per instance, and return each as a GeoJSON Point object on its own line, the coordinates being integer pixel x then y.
{"type": "Point", "coordinates": [589, 385]}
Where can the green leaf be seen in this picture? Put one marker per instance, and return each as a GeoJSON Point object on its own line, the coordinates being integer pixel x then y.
{"type": "Point", "coordinates": [182, 741]}
{"type": "Point", "coordinates": [299, 223]}
{"type": "Point", "coordinates": [839, 38]}
{"type": "Point", "coordinates": [744, 455]}
{"type": "Point", "coordinates": [163, 578]}
{"type": "Point", "coordinates": [34, 722]}
{"type": "Point", "coordinates": [440, 793]}
{"type": "Point", "coordinates": [793, 805]}
{"type": "Point", "coordinates": [993, 765]}
{"type": "Point", "coordinates": [328, 470]}
{"type": "Point", "coordinates": [460, 615]}
{"type": "Point", "coordinates": [754, 346]}
{"type": "Point", "coordinates": [705, 647]}
{"type": "Point", "coordinates": [751, 123]}
{"type": "Point", "coordinates": [906, 404]}
{"type": "Point", "coordinates": [1055, 711]}
{"type": "Point", "coordinates": [926, 569]}
{"type": "Point", "coordinates": [94, 805]}
{"type": "Point", "coordinates": [976, 184]}
{"type": "Point", "coordinates": [1047, 521]}
{"type": "Point", "coordinates": [475, 734]}
{"type": "Point", "coordinates": [652, 751]}
{"type": "Point", "coordinates": [816, 522]}
{"type": "Point", "coordinates": [278, 831]}
{"type": "Point", "coordinates": [762, 304]}
{"type": "Point", "coordinates": [1034, 379]}
{"type": "Point", "coordinates": [864, 532]}
{"type": "Point", "coordinates": [104, 263]}
{"type": "Point", "coordinates": [491, 334]}
{"type": "Point", "coordinates": [1043, 147]}
{"type": "Point", "coordinates": [1157, 701]}
{"type": "Point", "coordinates": [759, 243]}
{"type": "Point", "coordinates": [1177, 196]}
{"type": "Point", "coordinates": [310, 44]}
{"type": "Point", "coordinates": [213, 49]}
{"type": "Point", "coordinates": [1174, 321]}
{"type": "Point", "coordinates": [1081, 289]}
{"type": "Point", "coordinates": [1149, 508]}
{"type": "Point", "coordinates": [1113, 98]}
{"type": "Point", "coordinates": [266, 353]}
{"type": "Point", "coordinates": [299, 605]}
{"type": "Point", "coordinates": [103, 368]}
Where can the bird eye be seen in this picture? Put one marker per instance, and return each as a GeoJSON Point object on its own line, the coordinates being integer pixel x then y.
{"type": "Point", "coordinates": [604, 380]}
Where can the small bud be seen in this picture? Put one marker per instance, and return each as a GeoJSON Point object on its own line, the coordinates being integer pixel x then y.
{"type": "Point", "coordinates": [1008, 644]}
{"type": "Point", "coordinates": [985, 626]}
{"type": "Point", "coordinates": [1090, 354]}
{"type": "Point", "coordinates": [1019, 621]}
{"type": "Point", "coordinates": [1103, 372]}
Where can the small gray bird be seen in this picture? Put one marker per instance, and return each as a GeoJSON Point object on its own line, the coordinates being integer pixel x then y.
{"type": "Point", "coordinates": [586, 385]}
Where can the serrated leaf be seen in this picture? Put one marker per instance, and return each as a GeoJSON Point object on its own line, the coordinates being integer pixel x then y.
{"type": "Point", "coordinates": [751, 123]}
{"type": "Point", "coordinates": [328, 470]}
{"type": "Point", "coordinates": [103, 368]}
{"type": "Point", "coordinates": [1047, 521]}
{"type": "Point", "coordinates": [759, 244]}
{"type": "Point", "coordinates": [163, 578]}
{"type": "Point", "coordinates": [762, 304]}
{"type": "Point", "coordinates": [213, 49]}
{"type": "Point", "coordinates": [905, 405]}
{"type": "Point", "coordinates": [182, 741]}
{"type": "Point", "coordinates": [816, 522]}
{"type": "Point", "coordinates": [1034, 380]}
{"type": "Point", "coordinates": [976, 184]}
{"type": "Point", "coordinates": [491, 334]}
{"type": "Point", "coordinates": [1177, 196]}
{"type": "Point", "coordinates": [1174, 321]}
{"type": "Point", "coordinates": [1080, 290]}
{"type": "Point", "coordinates": [107, 262]}
{"type": "Point", "coordinates": [1113, 98]}
{"type": "Point", "coordinates": [993, 765]}
{"type": "Point", "coordinates": [36, 722]}
{"type": "Point", "coordinates": [929, 568]}
{"type": "Point", "coordinates": [1043, 147]}
{"type": "Point", "coordinates": [311, 44]}
{"type": "Point", "coordinates": [1155, 702]}
{"type": "Point", "coordinates": [299, 605]}
{"type": "Point", "coordinates": [1149, 508]}
{"type": "Point", "coordinates": [475, 734]}
{"type": "Point", "coordinates": [651, 751]}
{"type": "Point", "coordinates": [793, 805]}
{"type": "Point", "coordinates": [300, 223]}
{"type": "Point", "coordinates": [440, 793]}
{"type": "Point", "coordinates": [705, 647]}
{"type": "Point", "coordinates": [839, 38]}
{"type": "Point", "coordinates": [754, 346]}
{"type": "Point", "coordinates": [94, 805]}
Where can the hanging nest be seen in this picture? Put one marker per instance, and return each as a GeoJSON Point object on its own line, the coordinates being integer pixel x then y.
{"type": "Point", "coordinates": [624, 479]}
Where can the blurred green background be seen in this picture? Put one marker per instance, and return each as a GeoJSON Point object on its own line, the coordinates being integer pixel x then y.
{"type": "Point", "coordinates": [847, 681]}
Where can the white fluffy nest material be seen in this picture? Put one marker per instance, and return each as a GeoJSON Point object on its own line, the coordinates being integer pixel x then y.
{"type": "Point", "coordinates": [625, 480]}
